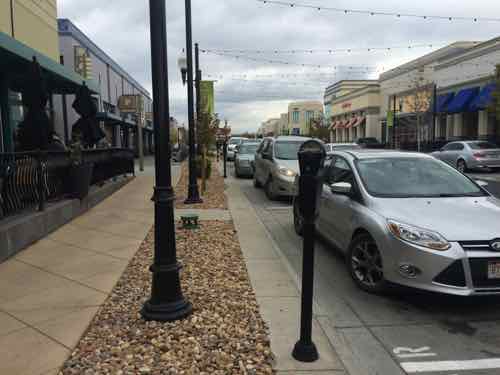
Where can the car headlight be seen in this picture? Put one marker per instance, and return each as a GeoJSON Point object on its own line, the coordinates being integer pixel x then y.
{"type": "Point", "coordinates": [287, 172]}
{"type": "Point", "coordinates": [418, 236]}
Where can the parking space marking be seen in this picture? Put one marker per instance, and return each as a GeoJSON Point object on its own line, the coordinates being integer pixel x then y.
{"type": "Point", "coordinates": [440, 366]}
{"type": "Point", "coordinates": [403, 352]}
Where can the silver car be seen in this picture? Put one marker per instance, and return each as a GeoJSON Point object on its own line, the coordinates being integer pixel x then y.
{"type": "Point", "coordinates": [233, 143]}
{"type": "Point", "coordinates": [469, 155]}
{"type": "Point", "coordinates": [409, 219]}
{"type": "Point", "coordinates": [244, 159]}
{"type": "Point", "coordinates": [331, 147]}
{"type": "Point", "coordinates": [276, 165]}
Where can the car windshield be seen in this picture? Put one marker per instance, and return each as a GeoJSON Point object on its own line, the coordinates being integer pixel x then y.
{"type": "Point", "coordinates": [235, 141]}
{"type": "Point", "coordinates": [414, 177]}
{"type": "Point", "coordinates": [287, 150]}
{"type": "Point", "coordinates": [249, 148]}
{"type": "Point", "coordinates": [481, 145]}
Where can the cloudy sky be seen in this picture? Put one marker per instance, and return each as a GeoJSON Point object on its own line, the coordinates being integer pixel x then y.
{"type": "Point", "coordinates": [249, 91]}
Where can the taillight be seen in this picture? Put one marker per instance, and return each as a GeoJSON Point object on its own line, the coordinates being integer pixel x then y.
{"type": "Point", "coordinates": [478, 155]}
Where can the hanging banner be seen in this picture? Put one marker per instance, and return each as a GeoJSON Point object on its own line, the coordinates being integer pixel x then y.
{"type": "Point", "coordinates": [207, 101]}
{"type": "Point", "coordinates": [390, 119]}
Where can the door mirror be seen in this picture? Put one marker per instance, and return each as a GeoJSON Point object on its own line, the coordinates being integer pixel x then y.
{"type": "Point", "coordinates": [267, 156]}
{"type": "Point", "coordinates": [343, 188]}
{"type": "Point", "coordinates": [481, 183]}
{"type": "Point", "coordinates": [441, 149]}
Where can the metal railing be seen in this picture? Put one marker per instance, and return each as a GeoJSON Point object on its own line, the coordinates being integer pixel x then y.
{"type": "Point", "coordinates": [29, 179]}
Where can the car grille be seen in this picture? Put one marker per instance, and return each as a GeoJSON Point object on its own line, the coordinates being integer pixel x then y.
{"type": "Point", "coordinates": [476, 245]}
{"type": "Point", "coordinates": [453, 275]}
{"type": "Point", "coordinates": [479, 273]}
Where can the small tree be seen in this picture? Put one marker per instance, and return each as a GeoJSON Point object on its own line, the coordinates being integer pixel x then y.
{"type": "Point", "coordinates": [207, 130]}
{"type": "Point", "coordinates": [419, 100]}
{"type": "Point", "coordinates": [494, 107]}
{"type": "Point", "coordinates": [318, 128]}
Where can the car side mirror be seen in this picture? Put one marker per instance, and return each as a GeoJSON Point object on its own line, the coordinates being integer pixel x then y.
{"type": "Point", "coordinates": [481, 183]}
{"type": "Point", "coordinates": [267, 156]}
{"type": "Point", "coordinates": [342, 188]}
{"type": "Point", "coordinates": [441, 149]}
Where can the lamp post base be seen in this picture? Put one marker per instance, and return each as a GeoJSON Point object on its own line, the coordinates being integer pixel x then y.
{"type": "Point", "coordinates": [305, 352]}
{"type": "Point", "coordinates": [193, 195]}
{"type": "Point", "coordinates": [166, 312]}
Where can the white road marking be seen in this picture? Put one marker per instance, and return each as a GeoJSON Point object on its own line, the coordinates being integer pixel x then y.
{"type": "Point", "coordinates": [437, 366]}
{"type": "Point", "coordinates": [413, 353]}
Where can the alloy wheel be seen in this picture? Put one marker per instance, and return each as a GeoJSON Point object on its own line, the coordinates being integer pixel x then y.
{"type": "Point", "coordinates": [366, 264]}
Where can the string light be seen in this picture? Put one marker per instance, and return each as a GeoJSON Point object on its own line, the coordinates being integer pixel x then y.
{"type": "Point", "coordinates": [378, 13]}
{"type": "Point", "coordinates": [323, 51]}
{"type": "Point", "coordinates": [282, 62]}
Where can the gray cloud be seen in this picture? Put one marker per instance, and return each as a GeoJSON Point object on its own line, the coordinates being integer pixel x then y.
{"type": "Point", "coordinates": [121, 28]}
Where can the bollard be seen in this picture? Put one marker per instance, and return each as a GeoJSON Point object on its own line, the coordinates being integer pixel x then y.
{"type": "Point", "coordinates": [311, 158]}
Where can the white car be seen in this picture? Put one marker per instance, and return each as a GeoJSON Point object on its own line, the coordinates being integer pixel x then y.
{"type": "Point", "coordinates": [231, 147]}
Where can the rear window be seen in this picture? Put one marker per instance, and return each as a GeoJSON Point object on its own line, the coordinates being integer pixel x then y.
{"type": "Point", "coordinates": [482, 145]}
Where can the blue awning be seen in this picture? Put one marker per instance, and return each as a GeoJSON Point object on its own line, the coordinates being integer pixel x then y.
{"type": "Point", "coordinates": [442, 101]}
{"type": "Point", "coordinates": [461, 102]}
{"type": "Point", "coordinates": [483, 100]}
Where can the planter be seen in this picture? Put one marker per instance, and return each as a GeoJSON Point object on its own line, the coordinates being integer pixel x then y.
{"type": "Point", "coordinates": [80, 178]}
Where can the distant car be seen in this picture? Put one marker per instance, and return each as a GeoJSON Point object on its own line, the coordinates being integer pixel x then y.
{"type": "Point", "coordinates": [409, 219]}
{"type": "Point", "coordinates": [244, 159]}
{"type": "Point", "coordinates": [369, 142]}
{"type": "Point", "coordinates": [276, 165]}
{"type": "Point", "coordinates": [231, 146]}
{"type": "Point", "coordinates": [331, 147]}
{"type": "Point", "coordinates": [470, 155]}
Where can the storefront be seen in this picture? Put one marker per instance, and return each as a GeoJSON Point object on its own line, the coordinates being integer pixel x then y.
{"type": "Point", "coordinates": [355, 114]}
{"type": "Point", "coordinates": [16, 60]}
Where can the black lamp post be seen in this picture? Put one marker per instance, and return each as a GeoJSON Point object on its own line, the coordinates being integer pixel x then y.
{"type": "Point", "coordinates": [166, 302]}
{"type": "Point", "coordinates": [193, 193]}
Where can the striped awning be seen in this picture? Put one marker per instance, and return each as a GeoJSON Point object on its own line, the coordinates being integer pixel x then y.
{"type": "Point", "coordinates": [360, 120]}
{"type": "Point", "coordinates": [334, 124]}
{"type": "Point", "coordinates": [350, 123]}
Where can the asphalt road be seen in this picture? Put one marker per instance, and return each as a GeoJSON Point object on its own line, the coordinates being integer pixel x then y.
{"type": "Point", "coordinates": [406, 333]}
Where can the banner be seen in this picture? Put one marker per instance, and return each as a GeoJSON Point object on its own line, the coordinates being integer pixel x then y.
{"type": "Point", "coordinates": [390, 119]}
{"type": "Point", "coordinates": [207, 103]}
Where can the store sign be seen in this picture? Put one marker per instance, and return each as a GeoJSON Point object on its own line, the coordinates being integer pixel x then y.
{"type": "Point", "coordinates": [131, 103]}
{"type": "Point", "coordinates": [346, 105]}
{"type": "Point", "coordinates": [83, 62]}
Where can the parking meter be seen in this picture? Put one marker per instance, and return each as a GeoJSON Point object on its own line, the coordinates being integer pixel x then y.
{"type": "Point", "coordinates": [224, 155]}
{"type": "Point", "coordinates": [311, 155]}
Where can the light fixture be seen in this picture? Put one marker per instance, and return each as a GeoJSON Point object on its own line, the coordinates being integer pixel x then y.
{"type": "Point", "coordinates": [182, 63]}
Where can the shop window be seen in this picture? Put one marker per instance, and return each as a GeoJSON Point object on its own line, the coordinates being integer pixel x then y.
{"type": "Point", "coordinates": [295, 116]}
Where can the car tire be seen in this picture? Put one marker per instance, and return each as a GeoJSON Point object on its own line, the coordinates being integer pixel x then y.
{"type": "Point", "coordinates": [298, 223]}
{"type": "Point", "coordinates": [365, 264]}
{"type": "Point", "coordinates": [462, 166]}
{"type": "Point", "coordinates": [268, 187]}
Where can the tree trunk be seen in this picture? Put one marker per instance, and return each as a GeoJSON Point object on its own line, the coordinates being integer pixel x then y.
{"type": "Point", "coordinates": [203, 169]}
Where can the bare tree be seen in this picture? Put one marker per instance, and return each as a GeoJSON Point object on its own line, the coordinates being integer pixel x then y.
{"type": "Point", "coordinates": [419, 100]}
{"type": "Point", "coordinates": [319, 128]}
{"type": "Point", "coordinates": [207, 130]}
{"type": "Point", "coordinates": [494, 107]}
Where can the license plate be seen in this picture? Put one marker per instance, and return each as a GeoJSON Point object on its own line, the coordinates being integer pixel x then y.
{"type": "Point", "coordinates": [494, 270]}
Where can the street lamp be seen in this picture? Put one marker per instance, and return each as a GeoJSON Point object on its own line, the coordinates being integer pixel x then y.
{"type": "Point", "coordinates": [166, 302]}
{"type": "Point", "coordinates": [193, 193]}
{"type": "Point", "coordinates": [182, 63]}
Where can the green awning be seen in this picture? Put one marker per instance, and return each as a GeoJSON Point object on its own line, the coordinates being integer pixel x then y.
{"type": "Point", "coordinates": [15, 58]}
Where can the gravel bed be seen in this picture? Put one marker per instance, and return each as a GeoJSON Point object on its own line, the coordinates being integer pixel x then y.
{"type": "Point", "coordinates": [224, 335]}
{"type": "Point", "coordinates": [213, 197]}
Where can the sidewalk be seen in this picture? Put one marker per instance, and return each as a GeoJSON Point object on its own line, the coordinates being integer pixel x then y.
{"type": "Point", "coordinates": [50, 291]}
{"type": "Point", "coordinates": [277, 292]}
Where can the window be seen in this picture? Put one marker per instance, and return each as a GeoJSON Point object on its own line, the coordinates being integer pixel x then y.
{"type": "Point", "coordinates": [453, 147]}
{"type": "Point", "coordinates": [295, 116]}
{"type": "Point", "coordinates": [339, 171]}
{"type": "Point", "coordinates": [309, 115]}
{"type": "Point", "coordinates": [482, 145]}
{"type": "Point", "coordinates": [288, 150]}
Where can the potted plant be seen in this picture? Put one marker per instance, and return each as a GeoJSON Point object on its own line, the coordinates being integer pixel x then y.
{"type": "Point", "coordinates": [80, 174]}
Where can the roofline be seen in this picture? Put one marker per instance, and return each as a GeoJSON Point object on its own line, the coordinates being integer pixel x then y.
{"type": "Point", "coordinates": [350, 80]}
{"type": "Point", "coordinates": [73, 31]}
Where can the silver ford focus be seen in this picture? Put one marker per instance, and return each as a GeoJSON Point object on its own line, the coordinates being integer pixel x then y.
{"type": "Point", "coordinates": [409, 219]}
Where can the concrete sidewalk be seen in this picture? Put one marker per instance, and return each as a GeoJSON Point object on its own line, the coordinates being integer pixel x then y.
{"type": "Point", "coordinates": [277, 292]}
{"type": "Point", "coordinates": [50, 292]}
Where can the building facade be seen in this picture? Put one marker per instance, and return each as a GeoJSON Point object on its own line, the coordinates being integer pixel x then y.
{"type": "Point", "coordinates": [284, 129]}
{"type": "Point", "coordinates": [33, 23]}
{"type": "Point", "coordinates": [354, 108]}
{"type": "Point", "coordinates": [300, 115]}
{"type": "Point", "coordinates": [82, 55]}
{"type": "Point", "coordinates": [465, 85]}
{"type": "Point", "coordinates": [271, 127]}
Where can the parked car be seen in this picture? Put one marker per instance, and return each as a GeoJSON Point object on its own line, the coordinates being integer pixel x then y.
{"type": "Point", "coordinates": [276, 165]}
{"type": "Point", "coordinates": [470, 155]}
{"type": "Point", "coordinates": [331, 147]}
{"type": "Point", "coordinates": [231, 146]}
{"type": "Point", "coordinates": [409, 219]}
{"type": "Point", "coordinates": [244, 159]}
{"type": "Point", "coordinates": [369, 142]}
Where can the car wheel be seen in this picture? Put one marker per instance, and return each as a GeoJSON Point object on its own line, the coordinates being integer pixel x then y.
{"type": "Point", "coordinates": [461, 166]}
{"type": "Point", "coordinates": [365, 264]}
{"type": "Point", "coordinates": [268, 187]}
{"type": "Point", "coordinates": [298, 220]}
